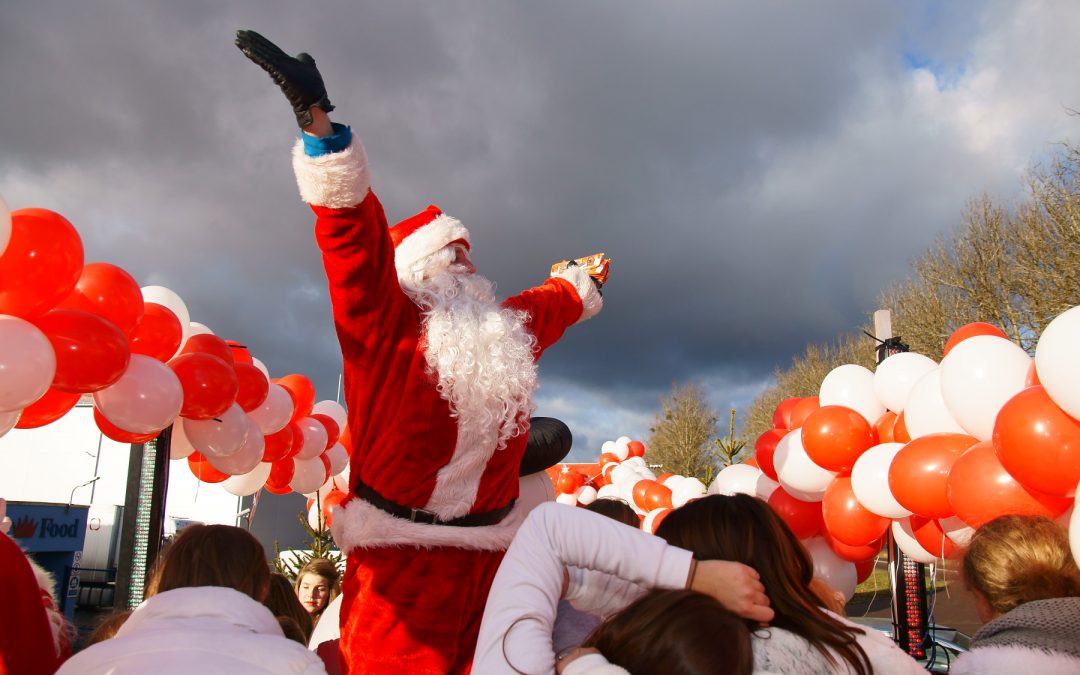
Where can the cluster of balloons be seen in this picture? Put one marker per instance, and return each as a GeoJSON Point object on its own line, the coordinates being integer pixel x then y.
{"type": "Point", "coordinates": [624, 475]}
{"type": "Point", "coordinates": [923, 450]}
{"type": "Point", "coordinates": [70, 330]}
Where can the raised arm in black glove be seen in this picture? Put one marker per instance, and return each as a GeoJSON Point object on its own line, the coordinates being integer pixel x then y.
{"type": "Point", "coordinates": [297, 76]}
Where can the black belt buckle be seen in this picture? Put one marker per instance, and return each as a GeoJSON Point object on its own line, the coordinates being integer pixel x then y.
{"type": "Point", "coordinates": [422, 516]}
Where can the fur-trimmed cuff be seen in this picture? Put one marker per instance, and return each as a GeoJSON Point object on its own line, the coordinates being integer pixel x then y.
{"type": "Point", "coordinates": [337, 180]}
{"type": "Point", "coordinates": [591, 300]}
{"type": "Point", "coordinates": [358, 524]}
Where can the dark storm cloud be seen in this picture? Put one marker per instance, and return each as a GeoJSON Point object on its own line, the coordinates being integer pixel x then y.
{"type": "Point", "coordinates": [758, 171]}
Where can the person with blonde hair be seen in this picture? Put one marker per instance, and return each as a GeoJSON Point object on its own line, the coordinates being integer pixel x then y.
{"type": "Point", "coordinates": [1027, 588]}
{"type": "Point", "coordinates": [203, 613]}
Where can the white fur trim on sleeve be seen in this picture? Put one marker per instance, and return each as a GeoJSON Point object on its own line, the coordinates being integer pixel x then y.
{"type": "Point", "coordinates": [336, 180]}
{"type": "Point", "coordinates": [1002, 659]}
{"type": "Point", "coordinates": [593, 664]}
{"type": "Point", "coordinates": [591, 300]}
{"type": "Point", "coordinates": [358, 524]}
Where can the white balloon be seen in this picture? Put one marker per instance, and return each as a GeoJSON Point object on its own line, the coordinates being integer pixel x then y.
{"type": "Point", "coordinates": [5, 225]}
{"type": "Point", "coordinates": [169, 299]}
{"type": "Point", "coordinates": [248, 483]}
{"type": "Point", "coordinates": [624, 474]}
{"type": "Point", "coordinates": [925, 411]}
{"type": "Point", "coordinates": [567, 498]}
{"type": "Point", "coordinates": [339, 459]}
{"type": "Point", "coordinates": [27, 363]}
{"type": "Point", "coordinates": [8, 420]}
{"type": "Point", "coordinates": [736, 479]}
{"type": "Point", "coordinates": [609, 491]}
{"type": "Point", "coordinates": [1057, 361]}
{"type": "Point", "coordinates": [587, 495]}
{"type": "Point", "coordinates": [179, 445]}
{"type": "Point", "coordinates": [622, 448]}
{"type": "Point", "coordinates": [314, 438]}
{"type": "Point", "coordinates": [261, 366]}
{"type": "Point", "coordinates": [199, 329]}
{"type": "Point", "coordinates": [314, 517]}
{"type": "Point", "coordinates": [687, 489]}
{"type": "Point", "coordinates": [275, 412]}
{"type": "Point", "coordinates": [852, 386]}
{"type": "Point", "coordinates": [905, 539]}
{"type": "Point", "coordinates": [221, 436]}
{"type": "Point", "coordinates": [896, 376]}
{"type": "Point", "coordinates": [608, 446]}
{"type": "Point", "coordinates": [671, 481]}
{"type": "Point", "coordinates": [333, 410]}
{"type": "Point", "coordinates": [978, 376]}
{"type": "Point", "coordinates": [247, 458]}
{"type": "Point", "coordinates": [870, 481]}
{"type": "Point", "coordinates": [797, 472]}
{"type": "Point", "coordinates": [637, 462]}
{"type": "Point", "coordinates": [323, 490]}
{"type": "Point", "coordinates": [831, 568]}
{"type": "Point", "coordinates": [308, 475]}
{"type": "Point", "coordinates": [648, 524]}
{"type": "Point", "coordinates": [341, 481]}
{"type": "Point", "coordinates": [956, 530]}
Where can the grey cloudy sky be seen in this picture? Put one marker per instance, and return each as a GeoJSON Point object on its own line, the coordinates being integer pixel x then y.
{"type": "Point", "coordinates": [758, 171]}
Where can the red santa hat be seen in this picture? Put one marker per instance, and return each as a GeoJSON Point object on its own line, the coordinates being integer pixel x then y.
{"type": "Point", "coordinates": [425, 233]}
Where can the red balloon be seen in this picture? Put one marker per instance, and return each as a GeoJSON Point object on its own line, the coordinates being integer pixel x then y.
{"type": "Point", "coordinates": [158, 333]}
{"type": "Point", "coordinates": [302, 391]}
{"type": "Point", "coordinates": [834, 436]}
{"type": "Point", "coordinates": [41, 263]}
{"type": "Point", "coordinates": [203, 470]}
{"type": "Point", "coordinates": [884, 426]}
{"type": "Point", "coordinates": [281, 474]}
{"type": "Point", "coordinates": [804, 518]}
{"type": "Point", "coordinates": [931, 537]}
{"type": "Point", "coordinates": [850, 553]}
{"type": "Point", "coordinates": [49, 408]}
{"type": "Point", "coordinates": [1038, 443]}
{"type": "Point", "coordinates": [971, 330]}
{"type": "Point", "coordinates": [208, 344]}
{"type": "Point", "coordinates": [899, 432]}
{"type": "Point", "coordinates": [333, 499]}
{"type": "Point", "coordinates": [240, 352]}
{"type": "Point", "coordinates": [980, 489]}
{"type": "Point", "coordinates": [781, 418]}
{"type": "Point", "coordinates": [91, 353]}
{"type": "Point", "coordinates": [920, 471]}
{"type": "Point", "coordinates": [117, 434]}
{"type": "Point", "coordinates": [278, 446]}
{"type": "Point", "coordinates": [641, 490]}
{"type": "Point", "coordinates": [864, 568]}
{"type": "Point", "coordinates": [1032, 377]}
{"type": "Point", "coordinates": [664, 476]}
{"type": "Point", "coordinates": [568, 482]}
{"type": "Point", "coordinates": [346, 439]}
{"type": "Point", "coordinates": [109, 292]}
{"type": "Point", "coordinates": [608, 457]}
{"type": "Point", "coordinates": [846, 519]}
{"type": "Point", "coordinates": [298, 439]}
{"type": "Point", "coordinates": [657, 496]}
{"type": "Point", "coordinates": [209, 385]}
{"type": "Point", "coordinates": [252, 386]}
{"type": "Point", "coordinates": [765, 448]}
{"type": "Point", "coordinates": [636, 449]}
{"type": "Point", "coordinates": [332, 431]}
{"type": "Point", "coordinates": [802, 410]}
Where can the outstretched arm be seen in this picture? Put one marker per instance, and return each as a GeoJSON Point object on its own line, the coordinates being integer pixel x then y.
{"type": "Point", "coordinates": [297, 76]}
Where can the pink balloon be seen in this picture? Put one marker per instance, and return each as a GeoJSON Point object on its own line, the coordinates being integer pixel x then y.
{"type": "Point", "coordinates": [27, 363]}
{"type": "Point", "coordinates": [275, 412]}
{"type": "Point", "coordinates": [308, 476]}
{"type": "Point", "coordinates": [246, 459]}
{"type": "Point", "coordinates": [221, 436]}
{"type": "Point", "coordinates": [145, 399]}
{"type": "Point", "coordinates": [314, 438]}
{"type": "Point", "coordinates": [339, 458]}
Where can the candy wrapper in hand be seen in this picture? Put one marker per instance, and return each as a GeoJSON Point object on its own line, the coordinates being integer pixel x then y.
{"type": "Point", "coordinates": [595, 265]}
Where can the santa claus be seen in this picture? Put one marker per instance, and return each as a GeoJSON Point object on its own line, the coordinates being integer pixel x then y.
{"type": "Point", "coordinates": [439, 380]}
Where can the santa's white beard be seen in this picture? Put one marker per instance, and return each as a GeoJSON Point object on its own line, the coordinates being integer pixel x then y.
{"type": "Point", "coordinates": [480, 352]}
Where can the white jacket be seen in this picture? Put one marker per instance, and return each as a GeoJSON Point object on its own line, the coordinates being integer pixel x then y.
{"type": "Point", "coordinates": [204, 630]}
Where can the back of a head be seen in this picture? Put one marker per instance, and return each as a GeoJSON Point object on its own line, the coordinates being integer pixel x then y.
{"type": "Point", "coordinates": [1012, 560]}
{"type": "Point", "coordinates": [677, 633]}
{"type": "Point", "coordinates": [616, 509]}
{"type": "Point", "coordinates": [281, 600]}
{"type": "Point", "coordinates": [744, 529]}
{"type": "Point", "coordinates": [212, 555]}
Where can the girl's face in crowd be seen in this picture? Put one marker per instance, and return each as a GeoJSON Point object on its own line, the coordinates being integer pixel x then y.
{"type": "Point", "coordinates": [314, 592]}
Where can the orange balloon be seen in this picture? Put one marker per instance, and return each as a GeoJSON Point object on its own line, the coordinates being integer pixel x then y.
{"type": "Point", "coordinates": [608, 457]}
{"type": "Point", "coordinates": [635, 449]}
{"type": "Point", "coordinates": [569, 481]}
{"type": "Point", "coordinates": [920, 471]}
{"type": "Point", "coordinates": [1032, 377]}
{"type": "Point", "coordinates": [657, 496]}
{"type": "Point", "coordinates": [846, 519]}
{"type": "Point", "coordinates": [980, 489]}
{"type": "Point", "coordinates": [302, 391]}
{"type": "Point", "coordinates": [1038, 443]}
{"type": "Point", "coordinates": [971, 330]}
{"type": "Point", "coordinates": [850, 553]}
{"type": "Point", "coordinates": [765, 448]}
{"type": "Point", "coordinates": [803, 518]}
{"type": "Point", "coordinates": [834, 436]}
{"type": "Point", "coordinates": [641, 490]}
{"type": "Point", "coordinates": [750, 461]}
{"type": "Point", "coordinates": [203, 469]}
{"type": "Point", "coordinates": [931, 537]}
{"type": "Point", "coordinates": [781, 418]}
{"type": "Point", "coordinates": [803, 409]}
{"type": "Point", "coordinates": [883, 427]}
{"type": "Point", "coordinates": [659, 518]}
{"type": "Point", "coordinates": [899, 432]}
{"type": "Point", "coordinates": [664, 476]}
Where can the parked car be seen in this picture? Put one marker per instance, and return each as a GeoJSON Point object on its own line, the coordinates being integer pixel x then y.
{"type": "Point", "coordinates": [943, 644]}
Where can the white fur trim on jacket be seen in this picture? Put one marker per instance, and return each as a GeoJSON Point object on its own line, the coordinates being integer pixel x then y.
{"type": "Point", "coordinates": [358, 524]}
{"type": "Point", "coordinates": [337, 180]}
{"type": "Point", "coordinates": [591, 300]}
{"type": "Point", "coordinates": [1001, 659]}
{"type": "Point", "coordinates": [428, 239]}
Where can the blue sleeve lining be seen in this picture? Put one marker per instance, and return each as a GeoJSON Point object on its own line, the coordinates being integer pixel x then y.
{"type": "Point", "coordinates": [336, 142]}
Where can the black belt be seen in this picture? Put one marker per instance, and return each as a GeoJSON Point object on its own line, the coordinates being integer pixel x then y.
{"type": "Point", "coordinates": [369, 495]}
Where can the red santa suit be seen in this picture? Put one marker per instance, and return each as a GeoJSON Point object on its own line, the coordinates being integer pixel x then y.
{"type": "Point", "coordinates": [414, 592]}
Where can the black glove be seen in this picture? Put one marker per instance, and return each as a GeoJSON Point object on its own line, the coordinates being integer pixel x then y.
{"type": "Point", "coordinates": [298, 77]}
